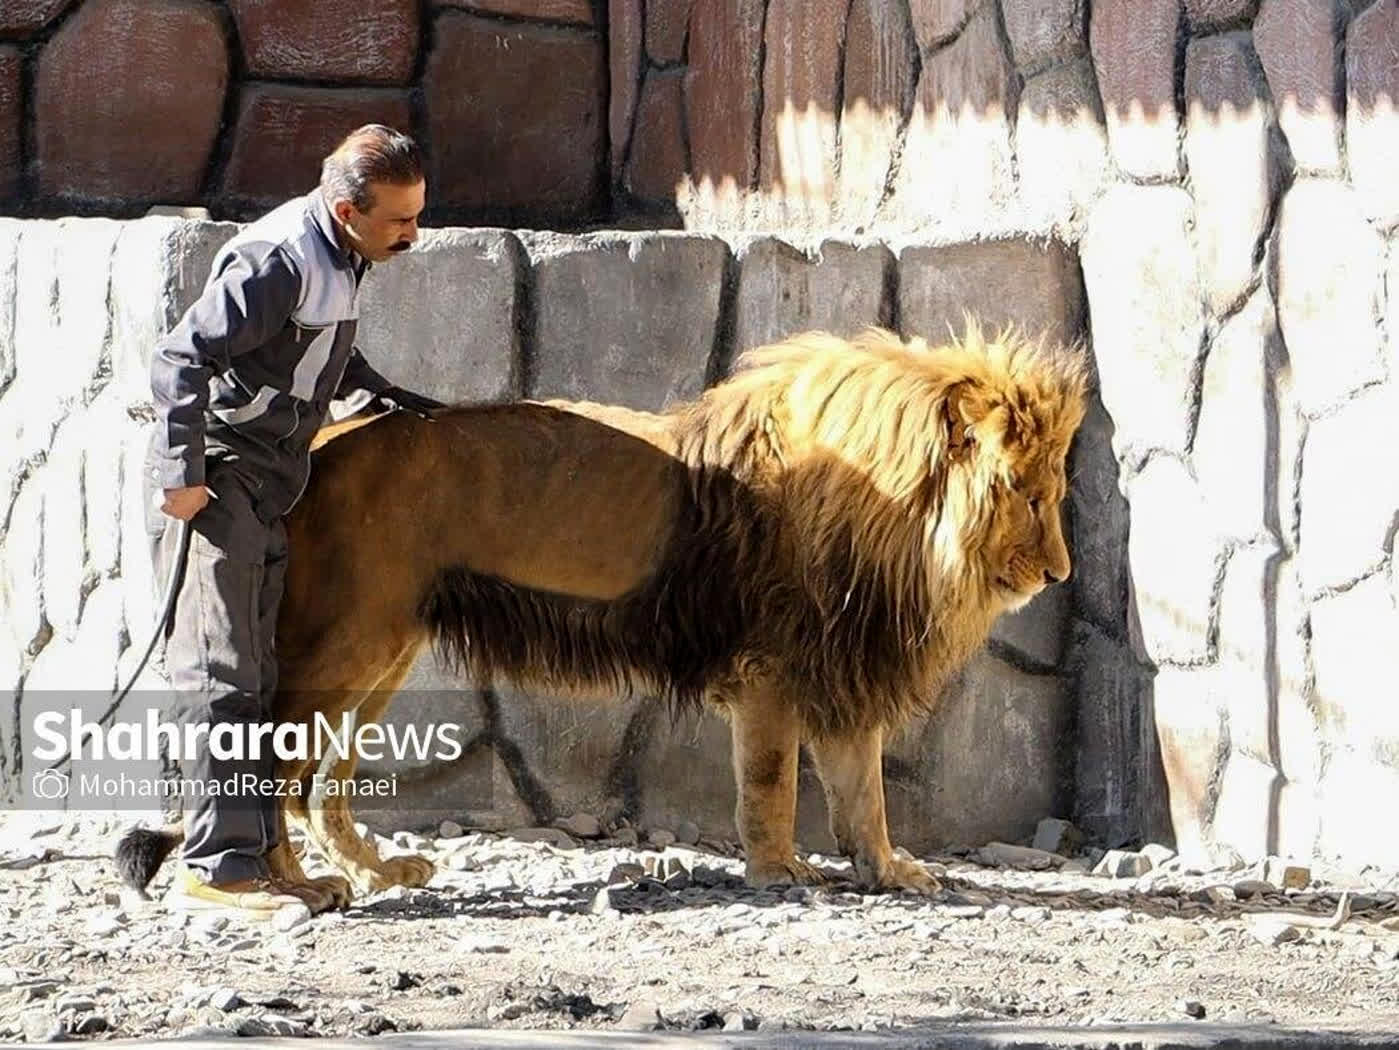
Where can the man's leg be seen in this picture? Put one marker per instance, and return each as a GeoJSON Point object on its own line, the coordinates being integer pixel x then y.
{"type": "Point", "coordinates": [214, 663]}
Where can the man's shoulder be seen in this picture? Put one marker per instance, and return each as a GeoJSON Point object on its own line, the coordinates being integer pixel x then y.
{"type": "Point", "coordinates": [279, 237]}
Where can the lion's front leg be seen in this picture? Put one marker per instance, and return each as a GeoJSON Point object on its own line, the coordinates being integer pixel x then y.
{"type": "Point", "coordinates": [850, 766]}
{"type": "Point", "coordinates": [766, 739]}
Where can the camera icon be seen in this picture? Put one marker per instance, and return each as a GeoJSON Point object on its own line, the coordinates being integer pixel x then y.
{"type": "Point", "coordinates": [50, 785]}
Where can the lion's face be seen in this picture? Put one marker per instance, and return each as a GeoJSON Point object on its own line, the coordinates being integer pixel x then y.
{"type": "Point", "coordinates": [1012, 446]}
{"type": "Point", "coordinates": [1026, 551]}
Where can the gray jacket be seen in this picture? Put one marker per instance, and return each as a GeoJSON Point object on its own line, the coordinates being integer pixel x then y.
{"type": "Point", "coordinates": [248, 375]}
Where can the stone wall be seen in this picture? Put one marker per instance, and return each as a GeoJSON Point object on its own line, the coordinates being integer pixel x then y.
{"type": "Point", "coordinates": [642, 319]}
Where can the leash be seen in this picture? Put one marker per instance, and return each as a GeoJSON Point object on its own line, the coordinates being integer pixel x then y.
{"type": "Point", "coordinates": [167, 611]}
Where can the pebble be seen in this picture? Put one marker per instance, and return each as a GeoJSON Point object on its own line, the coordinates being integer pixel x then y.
{"type": "Point", "coordinates": [270, 1026]}
{"type": "Point", "coordinates": [602, 903]}
{"type": "Point", "coordinates": [1029, 913]}
{"type": "Point", "coordinates": [450, 829]}
{"type": "Point", "coordinates": [1246, 888]}
{"type": "Point", "coordinates": [1003, 854]}
{"type": "Point", "coordinates": [1272, 932]}
{"type": "Point", "coordinates": [1286, 875]}
{"type": "Point", "coordinates": [736, 1021]}
{"type": "Point", "coordinates": [1158, 854]}
{"type": "Point", "coordinates": [688, 833]}
{"type": "Point", "coordinates": [290, 917]}
{"type": "Point", "coordinates": [641, 1016]}
{"type": "Point", "coordinates": [1057, 836]}
{"type": "Point", "coordinates": [92, 1024]}
{"type": "Point", "coordinates": [555, 837]}
{"type": "Point", "coordinates": [479, 945]}
{"type": "Point", "coordinates": [1192, 1008]}
{"type": "Point", "coordinates": [581, 825]}
{"type": "Point", "coordinates": [626, 837]}
{"type": "Point", "coordinates": [1122, 864]}
{"type": "Point", "coordinates": [964, 911]}
{"type": "Point", "coordinates": [661, 837]}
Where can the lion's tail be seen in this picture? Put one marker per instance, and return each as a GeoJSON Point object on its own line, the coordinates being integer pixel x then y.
{"type": "Point", "coordinates": [142, 851]}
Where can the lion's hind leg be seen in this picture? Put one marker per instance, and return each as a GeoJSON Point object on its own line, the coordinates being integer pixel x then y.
{"type": "Point", "coordinates": [850, 766]}
{"type": "Point", "coordinates": [766, 741]}
{"type": "Point", "coordinates": [329, 821]}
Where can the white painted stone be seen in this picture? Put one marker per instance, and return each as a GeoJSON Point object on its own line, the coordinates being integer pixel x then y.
{"type": "Point", "coordinates": [9, 251]}
{"type": "Point", "coordinates": [1244, 653]}
{"type": "Point", "coordinates": [1144, 301]}
{"type": "Point", "coordinates": [1192, 730]}
{"type": "Point", "coordinates": [1357, 662]}
{"type": "Point", "coordinates": [1245, 797]}
{"type": "Point", "coordinates": [1328, 266]}
{"type": "Point", "coordinates": [1372, 110]}
{"type": "Point", "coordinates": [1350, 489]}
{"type": "Point", "coordinates": [1231, 438]}
{"type": "Point", "coordinates": [105, 423]}
{"type": "Point", "coordinates": [21, 567]}
{"type": "Point", "coordinates": [1061, 146]}
{"type": "Point", "coordinates": [1354, 792]}
{"type": "Point", "coordinates": [65, 548]}
{"type": "Point", "coordinates": [1173, 552]}
{"type": "Point", "coordinates": [85, 249]}
{"type": "Point", "coordinates": [1232, 173]}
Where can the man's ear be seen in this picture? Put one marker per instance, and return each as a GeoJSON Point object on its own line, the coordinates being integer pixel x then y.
{"type": "Point", "coordinates": [342, 210]}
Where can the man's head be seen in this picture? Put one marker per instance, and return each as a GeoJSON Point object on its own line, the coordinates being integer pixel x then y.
{"type": "Point", "coordinates": [374, 185]}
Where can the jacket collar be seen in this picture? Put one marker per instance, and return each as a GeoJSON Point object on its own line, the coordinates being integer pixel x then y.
{"type": "Point", "coordinates": [324, 221]}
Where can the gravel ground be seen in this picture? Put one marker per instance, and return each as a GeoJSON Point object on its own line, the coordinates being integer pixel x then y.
{"type": "Point", "coordinates": [604, 934]}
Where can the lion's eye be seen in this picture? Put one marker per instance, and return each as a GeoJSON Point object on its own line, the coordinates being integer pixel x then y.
{"type": "Point", "coordinates": [1034, 505]}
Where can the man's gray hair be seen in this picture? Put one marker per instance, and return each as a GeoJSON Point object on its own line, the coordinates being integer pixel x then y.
{"type": "Point", "coordinates": [370, 154]}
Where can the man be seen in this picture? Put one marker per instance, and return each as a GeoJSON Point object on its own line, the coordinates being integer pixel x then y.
{"type": "Point", "coordinates": [241, 385]}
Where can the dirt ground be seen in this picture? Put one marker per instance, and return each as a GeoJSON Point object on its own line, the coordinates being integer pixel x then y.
{"type": "Point", "coordinates": [526, 934]}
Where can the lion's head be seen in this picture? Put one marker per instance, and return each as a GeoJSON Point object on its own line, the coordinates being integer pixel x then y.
{"type": "Point", "coordinates": [1010, 409]}
{"type": "Point", "coordinates": [942, 466]}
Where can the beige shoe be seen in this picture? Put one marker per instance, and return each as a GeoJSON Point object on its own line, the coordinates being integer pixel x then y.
{"type": "Point", "coordinates": [254, 899]}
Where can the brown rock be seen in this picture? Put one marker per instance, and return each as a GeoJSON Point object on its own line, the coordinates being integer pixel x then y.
{"type": "Point", "coordinates": [11, 118]}
{"type": "Point", "coordinates": [666, 21]}
{"type": "Point", "coordinates": [365, 41]}
{"type": "Point", "coordinates": [938, 283]}
{"type": "Point", "coordinates": [723, 90]}
{"type": "Point", "coordinates": [1134, 47]}
{"type": "Point", "coordinates": [283, 132]}
{"type": "Point", "coordinates": [800, 79]}
{"type": "Point", "coordinates": [1205, 13]}
{"type": "Point", "coordinates": [937, 21]}
{"type": "Point", "coordinates": [657, 162]}
{"type": "Point", "coordinates": [1372, 80]}
{"type": "Point", "coordinates": [624, 60]}
{"type": "Point", "coordinates": [496, 145]}
{"type": "Point", "coordinates": [1043, 32]}
{"type": "Point", "coordinates": [128, 99]}
{"type": "Point", "coordinates": [1296, 41]}
{"type": "Point", "coordinates": [880, 60]}
{"type": "Point", "coordinates": [18, 17]}
{"type": "Point", "coordinates": [577, 12]}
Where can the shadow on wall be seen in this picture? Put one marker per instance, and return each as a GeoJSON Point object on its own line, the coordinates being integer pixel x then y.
{"type": "Point", "coordinates": [850, 114]}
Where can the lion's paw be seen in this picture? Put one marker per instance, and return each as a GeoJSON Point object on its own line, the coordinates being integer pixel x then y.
{"type": "Point", "coordinates": [337, 886]}
{"type": "Point", "coordinates": [899, 873]}
{"type": "Point", "coordinates": [409, 870]}
{"type": "Point", "coordinates": [784, 873]}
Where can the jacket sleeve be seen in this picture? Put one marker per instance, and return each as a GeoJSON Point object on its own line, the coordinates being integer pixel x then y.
{"type": "Point", "coordinates": [243, 305]}
{"type": "Point", "coordinates": [359, 379]}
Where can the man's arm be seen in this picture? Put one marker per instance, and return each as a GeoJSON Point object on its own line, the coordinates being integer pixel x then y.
{"type": "Point", "coordinates": [241, 307]}
{"type": "Point", "coordinates": [359, 379]}
{"type": "Point", "coordinates": [362, 387]}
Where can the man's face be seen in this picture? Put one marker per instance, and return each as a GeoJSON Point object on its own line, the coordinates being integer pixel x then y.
{"type": "Point", "coordinates": [390, 226]}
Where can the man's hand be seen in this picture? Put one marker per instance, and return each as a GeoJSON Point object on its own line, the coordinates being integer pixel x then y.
{"type": "Point", "coordinates": [185, 503]}
{"type": "Point", "coordinates": [395, 397]}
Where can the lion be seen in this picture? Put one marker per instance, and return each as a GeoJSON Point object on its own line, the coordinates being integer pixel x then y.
{"type": "Point", "coordinates": [813, 546]}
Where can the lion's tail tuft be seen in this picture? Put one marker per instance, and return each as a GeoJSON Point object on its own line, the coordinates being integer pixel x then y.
{"type": "Point", "coordinates": [141, 852]}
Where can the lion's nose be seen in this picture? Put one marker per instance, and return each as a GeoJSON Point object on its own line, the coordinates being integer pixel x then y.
{"type": "Point", "coordinates": [1052, 576]}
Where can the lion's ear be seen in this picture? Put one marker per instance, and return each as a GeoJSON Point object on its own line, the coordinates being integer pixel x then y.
{"type": "Point", "coordinates": [974, 418]}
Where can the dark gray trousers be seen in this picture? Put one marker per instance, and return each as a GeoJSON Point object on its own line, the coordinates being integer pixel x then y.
{"type": "Point", "coordinates": [220, 658]}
